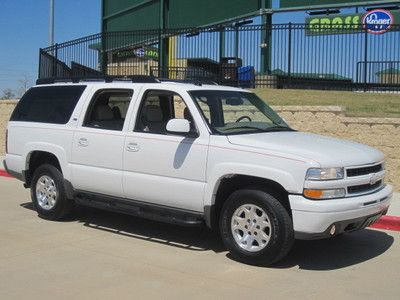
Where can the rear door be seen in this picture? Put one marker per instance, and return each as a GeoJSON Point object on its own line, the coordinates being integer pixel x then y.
{"type": "Point", "coordinates": [99, 141]}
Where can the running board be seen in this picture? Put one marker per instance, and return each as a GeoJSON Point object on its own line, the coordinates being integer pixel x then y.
{"type": "Point", "coordinates": [140, 209]}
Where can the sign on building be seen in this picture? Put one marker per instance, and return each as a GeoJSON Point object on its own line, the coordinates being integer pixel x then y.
{"type": "Point", "coordinates": [377, 21]}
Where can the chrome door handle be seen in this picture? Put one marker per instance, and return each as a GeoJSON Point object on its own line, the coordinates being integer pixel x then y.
{"type": "Point", "coordinates": [83, 142]}
{"type": "Point", "coordinates": [132, 147]}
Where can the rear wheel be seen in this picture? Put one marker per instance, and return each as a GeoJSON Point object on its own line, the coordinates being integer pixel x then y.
{"type": "Point", "coordinates": [48, 193]}
{"type": "Point", "coordinates": [256, 228]}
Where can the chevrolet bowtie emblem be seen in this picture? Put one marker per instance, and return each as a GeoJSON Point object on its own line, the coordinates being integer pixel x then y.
{"type": "Point", "coordinates": [374, 179]}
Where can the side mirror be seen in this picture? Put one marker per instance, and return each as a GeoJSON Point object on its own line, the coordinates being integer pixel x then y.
{"type": "Point", "coordinates": [178, 126]}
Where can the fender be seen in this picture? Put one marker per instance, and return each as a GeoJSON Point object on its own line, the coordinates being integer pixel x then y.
{"type": "Point", "coordinates": [286, 179]}
{"type": "Point", "coordinates": [56, 150]}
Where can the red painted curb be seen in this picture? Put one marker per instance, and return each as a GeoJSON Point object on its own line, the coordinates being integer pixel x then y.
{"type": "Point", "coordinates": [388, 223]}
{"type": "Point", "coordinates": [4, 174]}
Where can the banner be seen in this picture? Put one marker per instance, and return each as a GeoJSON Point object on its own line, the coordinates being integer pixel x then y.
{"type": "Point", "coordinates": [376, 22]}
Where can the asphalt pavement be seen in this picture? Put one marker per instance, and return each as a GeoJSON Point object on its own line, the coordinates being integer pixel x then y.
{"type": "Point", "coordinates": [102, 255]}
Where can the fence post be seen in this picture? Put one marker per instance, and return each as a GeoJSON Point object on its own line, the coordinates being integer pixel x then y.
{"type": "Point", "coordinates": [104, 58]}
{"type": "Point", "coordinates": [365, 57]}
{"type": "Point", "coordinates": [162, 55]}
{"type": "Point", "coordinates": [221, 43]}
{"type": "Point", "coordinates": [162, 41]}
{"type": "Point", "coordinates": [55, 60]}
{"type": "Point", "coordinates": [40, 63]}
{"type": "Point", "coordinates": [236, 45]}
{"type": "Point", "coordinates": [266, 46]}
{"type": "Point", "coordinates": [222, 40]}
{"type": "Point", "coordinates": [289, 52]}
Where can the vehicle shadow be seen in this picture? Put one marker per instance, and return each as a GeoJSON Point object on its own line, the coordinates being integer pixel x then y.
{"type": "Point", "coordinates": [192, 238]}
{"type": "Point", "coordinates": [321, 255]}
{"type": "Point", "coordinates": [339, 252]}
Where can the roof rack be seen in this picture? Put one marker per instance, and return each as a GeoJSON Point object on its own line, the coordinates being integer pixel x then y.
{"type": "Point", "coordinates": [198, 82]}
{"type": "Point", "coordinates": [133, 79]}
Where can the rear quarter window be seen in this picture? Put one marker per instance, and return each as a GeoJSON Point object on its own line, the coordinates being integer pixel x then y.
{"type": "Point", "coordinates": [48, 104]}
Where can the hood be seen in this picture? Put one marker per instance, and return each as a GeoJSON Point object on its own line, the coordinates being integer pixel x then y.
{"type": "Point", "coordinates": [327, 151]}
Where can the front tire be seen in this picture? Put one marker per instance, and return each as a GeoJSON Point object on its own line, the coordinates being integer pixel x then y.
{"type": "Point", "coordinates": [255, 227]}
{"type": "Point", "coordinates": [48, 193]}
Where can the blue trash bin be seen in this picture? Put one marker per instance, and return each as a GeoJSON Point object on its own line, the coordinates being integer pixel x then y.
{"type": "Point", "coordinates": [246, 76]}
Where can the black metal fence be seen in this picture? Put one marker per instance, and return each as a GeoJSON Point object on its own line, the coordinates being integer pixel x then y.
{"type": "Point", "coordinates": [280, 56]}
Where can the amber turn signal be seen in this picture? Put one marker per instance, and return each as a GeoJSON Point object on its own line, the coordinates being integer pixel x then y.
{"type": "Point", "coordinates": [315, 194]}
{"type": "Point", "coordinates": [324, 194]}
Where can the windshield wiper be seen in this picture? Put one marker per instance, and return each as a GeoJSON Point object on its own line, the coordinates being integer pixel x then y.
{"type": "Point", "coordinates": [279, 128]}
{"type": "Point", "coordinates": [244, 127]}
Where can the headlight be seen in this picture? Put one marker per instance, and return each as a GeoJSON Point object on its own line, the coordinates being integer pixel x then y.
{"type": "Point", "coordinates": [325, 174]}
{"type": "Point", "coordinates": [324, 194]}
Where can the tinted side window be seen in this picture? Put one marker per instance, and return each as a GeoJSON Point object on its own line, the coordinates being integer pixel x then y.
{"type": "Point", "coordinates": [48, 104]}
{"type": "Point", "coordinates": [108, 109]}
{"type": "Point", "coordinates": [158, 107]}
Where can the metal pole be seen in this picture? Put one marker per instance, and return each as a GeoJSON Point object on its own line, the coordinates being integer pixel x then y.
{"type": "Point", "coordinates": [290, 50]}
{"type": "Point", "coordinates": [51, 29]}
{"type": "Point", "coordinates": [236, 49]}
{"type": "Point", "coordinates": [221, 53]}
{"type": "Point", "coordinates": [266, 46]}
{"type": "Point", "coordinates": [365, 58]}
{"type": "Point", "coordinates": [221, 43]}
{"type": "Point", "coordinates": [40, 75]}
{"type": "Point", "coordinates": [266, 39]}
{"type": "Point", "coordinates": [55, 60]}
{"type": "Point", "coordinates": [289, 54]}
{"type": "Point", "coordinates": [162, 41]}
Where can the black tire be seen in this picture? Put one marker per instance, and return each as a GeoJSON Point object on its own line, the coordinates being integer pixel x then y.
{"type": "Point", "coordinates": [281, 234]}
{"type": "Point", "coordinates": [63, 206]}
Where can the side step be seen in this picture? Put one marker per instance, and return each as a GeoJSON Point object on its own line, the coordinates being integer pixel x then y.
{"type": "Point", "coordinates": [140, 209]}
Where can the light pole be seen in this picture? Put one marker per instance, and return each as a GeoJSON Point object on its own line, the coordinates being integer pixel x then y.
{"type": "Point", "coordinates": [51, 28]}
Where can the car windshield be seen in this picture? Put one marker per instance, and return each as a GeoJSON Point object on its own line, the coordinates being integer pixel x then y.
{"type": "Point", "coordinates": [236, 112]}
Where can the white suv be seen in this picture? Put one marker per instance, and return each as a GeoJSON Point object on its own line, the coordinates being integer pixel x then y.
{"type": "Point", "coordinates": [192, 154]}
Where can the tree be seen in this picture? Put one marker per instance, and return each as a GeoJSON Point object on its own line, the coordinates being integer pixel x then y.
{"type": "Point", "coordinates": [24, 85]}
{"type": "Point", "coordinates": [8, 94]}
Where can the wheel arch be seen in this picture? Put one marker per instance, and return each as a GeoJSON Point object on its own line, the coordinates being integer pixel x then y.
{"type": "Point", "coordinates": [230, 183]}
{"type": "Point", "coordinates": [39, 154]}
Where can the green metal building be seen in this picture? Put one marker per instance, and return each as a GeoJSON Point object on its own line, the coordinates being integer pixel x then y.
{"type": "Point", "coordinates": [121, 15]}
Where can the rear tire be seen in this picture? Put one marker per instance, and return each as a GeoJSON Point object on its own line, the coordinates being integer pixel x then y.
{"type": "Point", "coordinates": [48, 193]}
{"type": "Point", "coordinates": [256, 228]}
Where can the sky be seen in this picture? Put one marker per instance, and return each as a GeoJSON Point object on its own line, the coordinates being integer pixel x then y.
{"type": "Point", "coordinates": [24, 28]}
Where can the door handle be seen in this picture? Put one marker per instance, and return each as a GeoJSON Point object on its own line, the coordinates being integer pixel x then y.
{"type": "Point", "coordinates": [132, 147]}
{"type": "Point", "coordinates": [83, 142]}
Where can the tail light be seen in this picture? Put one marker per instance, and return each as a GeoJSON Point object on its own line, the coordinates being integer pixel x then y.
{"type": "Point", "coordinates": [6, 140]}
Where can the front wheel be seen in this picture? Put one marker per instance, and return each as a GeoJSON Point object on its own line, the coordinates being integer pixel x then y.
{"type": "Point", "coordinates": [255, 227]}
{"type": "Point", "coordinates": [48, 193]}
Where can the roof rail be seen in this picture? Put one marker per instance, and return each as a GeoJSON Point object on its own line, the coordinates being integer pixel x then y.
{"type": "Point", "coordinates": [77, 79]}
{"type": "Point", "coordinates": [198, 82]}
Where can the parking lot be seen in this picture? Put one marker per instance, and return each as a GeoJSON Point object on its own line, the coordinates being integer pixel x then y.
{"type": "Point", "coordinates": [99, 254]}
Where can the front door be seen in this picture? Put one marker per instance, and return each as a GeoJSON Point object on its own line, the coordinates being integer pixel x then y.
{"type": "Point", "coordinates": [163, 168]}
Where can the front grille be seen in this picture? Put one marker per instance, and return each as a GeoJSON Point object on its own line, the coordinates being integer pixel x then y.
{"type": "Point", "coordinates": [364, 170]}
{"type": "Point", "coordinates": [363, 188]}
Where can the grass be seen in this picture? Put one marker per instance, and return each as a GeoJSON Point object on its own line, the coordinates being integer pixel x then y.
{"type": "Point", "coordinates": [356, 104]}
